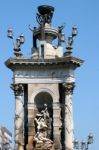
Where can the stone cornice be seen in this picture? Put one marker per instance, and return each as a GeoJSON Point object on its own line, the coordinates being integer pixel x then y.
{"type": "Point", "coordinates": [63, 62]}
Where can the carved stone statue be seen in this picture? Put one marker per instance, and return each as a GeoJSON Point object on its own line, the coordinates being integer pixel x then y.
{"type": "Point", "coordinates": [40, 124]}
{"type": "Point", "coordinates": [41, 139]}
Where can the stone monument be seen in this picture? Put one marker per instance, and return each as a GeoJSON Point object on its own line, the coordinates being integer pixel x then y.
{"type": "Point", "coordinates": [43, 85]}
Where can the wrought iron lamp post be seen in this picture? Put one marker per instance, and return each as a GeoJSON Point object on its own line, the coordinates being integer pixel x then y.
{"type": "Point", "coordinates": [84, 144]}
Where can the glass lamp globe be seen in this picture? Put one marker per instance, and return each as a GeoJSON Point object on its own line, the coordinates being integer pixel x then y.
{"type": "Point", "coordinates": [74, 31]}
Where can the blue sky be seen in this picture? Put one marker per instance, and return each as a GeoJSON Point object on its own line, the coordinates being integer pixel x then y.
{"type": "Point", "coordinates": [85, 14]}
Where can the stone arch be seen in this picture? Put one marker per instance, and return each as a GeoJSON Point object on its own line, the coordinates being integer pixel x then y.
{"type": "Point", "coordinates": [40, 100]}
{"type": "Point", "coordinates": [54, 96]}
{"type": "Point", "coordinates": [43, 98]}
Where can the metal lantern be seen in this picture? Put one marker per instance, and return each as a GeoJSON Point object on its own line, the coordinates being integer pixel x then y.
{"type": "Point", "coordinates": [83, 145]}
{"type": "Point", "coordinates": [76, 144]}
{"type": "Point", "coordinates": [18, 42]}
{"type": "Point", "coordinates": [74, 31]}
{"type": "Point", "coordinates": [10, 33]}
{"type": "Point", "coordinates": [70, 40]}
{"type": "Point", "coordinates": [22, 39]}
{"type": "Point", "coordinates": [62, 37]}
{"type": "Point", "coordinates": [90, 138]}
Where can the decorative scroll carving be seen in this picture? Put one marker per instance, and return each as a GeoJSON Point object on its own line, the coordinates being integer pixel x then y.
{"type": "Point", "coordinates": [41, 139]}
{"type": "Point", "coordinates": [18, 89]}
{"type": "Point", "coordinates": [69, 88]}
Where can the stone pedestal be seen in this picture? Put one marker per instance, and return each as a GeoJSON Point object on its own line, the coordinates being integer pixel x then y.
{"type": "Point", "coordinates": [45, 148]}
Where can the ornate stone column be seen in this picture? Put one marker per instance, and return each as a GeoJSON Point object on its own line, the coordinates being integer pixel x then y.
{"type": "Point", "coordinates": [56, 126]}
{"type": "Point", "coordinates": [68, 117]}
{"type": "Point", "coordinates": [19, 120]}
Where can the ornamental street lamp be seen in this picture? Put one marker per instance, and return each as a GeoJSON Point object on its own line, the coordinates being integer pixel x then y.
{"type": "Point", "coordinates": [84, 144]}
{"type": "Point", "coordinates": [71, 40]}
{"type": "Point", "coordinates": [20, 40]}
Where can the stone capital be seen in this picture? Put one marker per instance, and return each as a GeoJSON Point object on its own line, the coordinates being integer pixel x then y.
{"type": "Point", "coordinates": [69, 87]}
{"type": "Point", "coordinates": [18, 89]}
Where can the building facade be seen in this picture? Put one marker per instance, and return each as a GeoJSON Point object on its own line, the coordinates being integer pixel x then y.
{"type": "Point", "coordinates": [43, 86]}
{"type": "Point", "coordinates": [5, 139]}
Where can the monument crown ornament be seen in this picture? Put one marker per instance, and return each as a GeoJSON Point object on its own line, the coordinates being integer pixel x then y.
{"type": "Point", "coordinates": [45, 14]}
